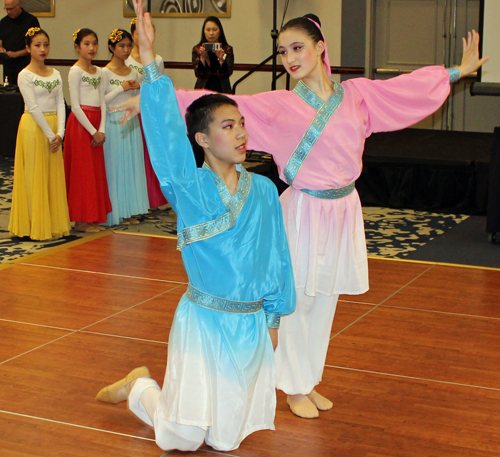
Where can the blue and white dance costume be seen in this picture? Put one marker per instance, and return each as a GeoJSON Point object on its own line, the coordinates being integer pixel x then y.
{"type": "Point", "coordinates": [220, 379]}
{"type": "Point", "coordinates": [123, 153]}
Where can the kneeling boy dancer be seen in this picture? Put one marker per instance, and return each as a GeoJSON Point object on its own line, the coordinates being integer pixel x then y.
{"type": "Point", "coordinates": [220, 381]}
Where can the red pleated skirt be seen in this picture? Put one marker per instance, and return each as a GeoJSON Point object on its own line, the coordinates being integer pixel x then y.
{"type": "Point", "coordinates": [87, 187]}
{"type": "Point", "coordinates": [155, 195]}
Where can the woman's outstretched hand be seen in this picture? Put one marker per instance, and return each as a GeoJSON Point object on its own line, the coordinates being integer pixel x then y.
{"type": "Point", "coordinates": [470, 58]}
{"type": "Point", "coordinates": [146, 33]}
{"type": "Point", "coordinates": [130, 108]}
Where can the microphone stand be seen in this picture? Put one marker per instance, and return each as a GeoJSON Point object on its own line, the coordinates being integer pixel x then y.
{"type": "Point", "coordinates": [274, 35]}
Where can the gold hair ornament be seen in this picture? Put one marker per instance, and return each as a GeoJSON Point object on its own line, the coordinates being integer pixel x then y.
{"type": "Point", "coordinates": [116, 36]}
{"type": "Point", "coordinates": [32, 30]}
{"type": "Point", "coordinates": [75, 34]}
{"type": "Point", "coordinates": [133, 22]}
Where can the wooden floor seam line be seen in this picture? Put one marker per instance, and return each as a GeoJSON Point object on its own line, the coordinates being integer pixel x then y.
{"type": "Point", "coordinates": [428, 262]}
{"type": "Point", "coordinates": [38, 347]}
{"type": "Point", "coordinates": [123, 336]}
{"type": "Point", "coordinates": [102, 273]}
{"type": "Point", "coordinates": [381, 303]}
{"type": "Point", "coordinates": [38, 325]}
{"type": "Point", "coordinates": [74, 330]}
{"type": "Point", "coordinates": [474, 316]}
{"type": "Point", "coordinates": [393, 375]}
{"type": "Point", "coordinates": [355, 321]}
{"type": "Point", "coordinates": [75, 425]}
{"type": "Point", "coordinates": [168, 237]}
{"type": "Point", "coordinates": [127, 309]}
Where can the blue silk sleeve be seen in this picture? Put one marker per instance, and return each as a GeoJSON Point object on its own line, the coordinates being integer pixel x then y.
{"type": "Point", "coordinates": [172, 156]}
{"type": "Point", "coordinates": [281, 300]}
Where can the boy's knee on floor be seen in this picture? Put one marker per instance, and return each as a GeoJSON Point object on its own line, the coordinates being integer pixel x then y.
{"type": "Point", "coordinates": [170, 435]}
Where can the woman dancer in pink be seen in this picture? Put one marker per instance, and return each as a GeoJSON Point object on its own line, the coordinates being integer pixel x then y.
{"type": "Point", "coordinates": [316, 134]}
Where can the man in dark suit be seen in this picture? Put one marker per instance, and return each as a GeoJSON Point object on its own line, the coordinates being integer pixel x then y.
{"type": "Point", "coordinates": [13, 28]}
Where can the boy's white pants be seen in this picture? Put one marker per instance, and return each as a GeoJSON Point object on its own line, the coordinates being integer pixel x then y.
{"type": "Point", "coordinates": [143, 400]}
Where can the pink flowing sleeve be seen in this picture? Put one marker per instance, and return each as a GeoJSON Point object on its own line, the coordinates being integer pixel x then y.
{"type": "Point", "coordinates": [260, 112]}
{"type": "Point", "coordinates": [186, 97]}
{"type": "Point", "coordinates": [402, 101]}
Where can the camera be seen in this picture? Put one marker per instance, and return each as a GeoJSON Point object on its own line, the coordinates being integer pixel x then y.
{"type": "Point", "coordinates": [212, 46]}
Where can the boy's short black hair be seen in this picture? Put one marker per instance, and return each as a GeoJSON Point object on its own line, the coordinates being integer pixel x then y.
{"type": "Point", "coordinates": [200, 115]}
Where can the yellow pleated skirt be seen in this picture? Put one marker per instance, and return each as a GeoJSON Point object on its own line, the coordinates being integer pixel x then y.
{"type": "Point", "coordinates": [39, 205]}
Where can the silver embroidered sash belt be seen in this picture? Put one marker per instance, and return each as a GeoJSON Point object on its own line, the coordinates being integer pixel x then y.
{"type": "Point", "coordinates": [45, 113]}
{"type": "Point", "coordinates": [221, 304]}
{"type": "Point", "coordinates": [330, 194]}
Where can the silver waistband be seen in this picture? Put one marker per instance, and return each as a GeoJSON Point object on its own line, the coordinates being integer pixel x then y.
{"type": "Point", "coordinates": [221, 304]}
{"type": "Point", "coordinates": [330, 194]}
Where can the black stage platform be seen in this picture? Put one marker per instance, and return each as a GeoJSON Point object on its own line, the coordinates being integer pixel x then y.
{"type": "Point", "coordinates": [429, 170]}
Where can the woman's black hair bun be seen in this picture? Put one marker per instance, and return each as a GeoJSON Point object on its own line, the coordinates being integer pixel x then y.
{"type": "Point", "coordinates": [313, 17]}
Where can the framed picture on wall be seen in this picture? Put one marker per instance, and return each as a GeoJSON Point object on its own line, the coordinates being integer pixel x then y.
{"type": "Point", "coordinates": [39, 7]}
{"type": "Point", "coordinates": [182, 8]}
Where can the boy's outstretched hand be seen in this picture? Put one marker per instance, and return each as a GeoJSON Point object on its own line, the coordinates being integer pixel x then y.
{"type": "Point", "coordinates": [146, 33]}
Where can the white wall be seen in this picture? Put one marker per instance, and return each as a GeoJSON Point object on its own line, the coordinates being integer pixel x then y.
{"type": "Point", "coordinates": [248, 31]}
{"type": "Point", "coordinates": [491, 39]}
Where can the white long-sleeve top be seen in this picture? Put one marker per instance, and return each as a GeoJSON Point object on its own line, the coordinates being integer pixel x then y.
{"type": "Point", "coordinates": [43, 94]}
{"type": "Point", "coordinates": [132, 63]}
{"type": "Point", "coordinates": [114, 93]}
{"type": "Point", "coordinates": [87, 89]}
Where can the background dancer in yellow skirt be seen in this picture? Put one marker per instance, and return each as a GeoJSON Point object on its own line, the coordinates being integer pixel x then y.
{"type": "Point", "coordinates": [39, 204]}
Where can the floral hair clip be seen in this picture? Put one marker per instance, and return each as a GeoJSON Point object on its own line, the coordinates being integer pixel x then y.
{"type": "Point", "coordinates": [75, 34]}
{"type": "Point", "coordinates": [133, 22]}
{"type": "Point", "coordinates": [32, 30]}
{"type": "Point", "coordinates": [116, 36]}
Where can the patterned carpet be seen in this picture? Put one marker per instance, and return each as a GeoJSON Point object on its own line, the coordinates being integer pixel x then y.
{"type": "Point", "coordinates": [390, 233]}
{"type": "Point", "coordinates": [395, 233]}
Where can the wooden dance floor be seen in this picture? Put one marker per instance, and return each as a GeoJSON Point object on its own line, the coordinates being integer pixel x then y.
{"type": "Point", "coordinates": [413, 367]}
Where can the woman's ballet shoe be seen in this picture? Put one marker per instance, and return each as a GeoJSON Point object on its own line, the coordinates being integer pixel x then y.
{"type": "Point", "coordinates": [87, 229]}
{"type": "Point", "coordinates": [100, 227]}
{"type": "Point", "coordinates": [322, 403]}
{"type": "Point", "coordinates": [109, 393]}
{"type": "Point", "coordinates": [303, 407]}
{"type": "Point", "coordinates": [130, 221]}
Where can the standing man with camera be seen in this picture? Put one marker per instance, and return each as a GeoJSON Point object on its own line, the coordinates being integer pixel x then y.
{"type": "Point", "coordinates": [13, 28]}
{"type": "Point", "coordinates": [213, 58]}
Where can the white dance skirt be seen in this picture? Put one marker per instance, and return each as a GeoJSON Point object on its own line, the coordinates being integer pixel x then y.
{"type": "Point", "coordinates": [327, 243]}
{"type": "Point", "coordinates": [220, 374]}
